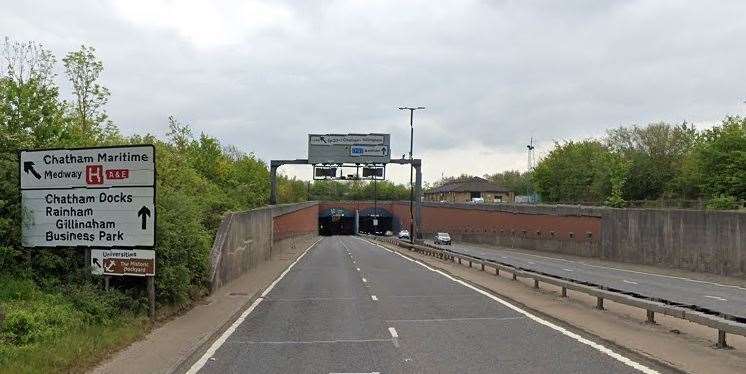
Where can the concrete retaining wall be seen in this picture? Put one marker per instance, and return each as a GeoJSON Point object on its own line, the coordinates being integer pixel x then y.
{"type": "Point", "coordinates": [696, 240]}
{"type": "Point", "coordinates": [246, 239]}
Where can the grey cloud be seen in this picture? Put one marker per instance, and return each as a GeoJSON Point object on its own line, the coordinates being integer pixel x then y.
{"type": "Point", "coordinates": [490, 73]}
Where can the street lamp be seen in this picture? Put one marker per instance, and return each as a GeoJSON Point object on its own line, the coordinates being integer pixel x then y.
{"type": "Point", "coordinates": [411, 169]}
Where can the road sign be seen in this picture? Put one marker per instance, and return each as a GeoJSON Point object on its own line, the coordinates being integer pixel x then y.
{"type": "Point", "coordinates": [349, 148]}
{"type": "Point", "coordinates": [347, 139]}
{"type": "Point", "coordinates": [369, 150]}
{"type": "Point", "coordinates": [89, 167]}
{"type": "Point", "coordinates": [94, 197]}
{"type": "Point", "coordinates": [123, 262]}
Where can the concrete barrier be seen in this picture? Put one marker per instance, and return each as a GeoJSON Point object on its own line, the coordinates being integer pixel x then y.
{"type": "Point", "coordinates": [246, 239]}
{"type": "Point", "coordinates": [695, 240]}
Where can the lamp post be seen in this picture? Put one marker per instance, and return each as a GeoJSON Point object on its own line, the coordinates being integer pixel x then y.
{"type": "Point", "coordinates": [411, 169]}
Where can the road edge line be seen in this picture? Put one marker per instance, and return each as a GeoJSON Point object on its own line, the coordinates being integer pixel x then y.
{"type": "Point", "coordinates": [217, 343]}
{"type": "Point", "coordinates": [597, 346]}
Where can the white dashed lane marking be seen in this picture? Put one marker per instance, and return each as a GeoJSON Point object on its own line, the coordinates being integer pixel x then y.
{"type": "Point", "coordinates": [716, 298]}
{"type": "Point", "coordinates": [374, 297]}
{"type": "Point", "coordinates": [394, 336]}
{"type": "Point", "coordinates": [630, 282]}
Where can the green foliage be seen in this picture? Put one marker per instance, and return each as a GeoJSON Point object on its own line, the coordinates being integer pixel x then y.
{"type": "Point", "coordinates": [357, 190]}
{"type": "Point", "coordinates": [720, 159]}
{"type": "Point", "coordinates": [514, 180]}
{"type": "Point", "coordinates": [658, 162]}
{"type": "Point", "coordinates": [49, 297]}
{"type": "Point", "coordinates": [722, 202]}
{"type": "Point", "coordinates": [574, 172]}
{"type": "Point", "coordinates": [655, 154]}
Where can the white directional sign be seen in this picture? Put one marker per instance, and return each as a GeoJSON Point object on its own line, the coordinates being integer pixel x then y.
{"type": "Point", "coordinates": [89, 199]}
{"type": "Point", "coordinates": [347, 139]}
{"type": "Point", "coordinates": [123, 262]}
{"type": "Point", "coordinates": [90, 167]}
{"type": "Point", "coordinates": [349, 149]}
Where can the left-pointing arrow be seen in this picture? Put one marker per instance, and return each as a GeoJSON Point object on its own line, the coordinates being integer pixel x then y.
{"type": "Point", "coordinates": [28, 166]}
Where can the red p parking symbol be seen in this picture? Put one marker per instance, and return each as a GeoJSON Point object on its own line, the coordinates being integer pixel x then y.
{"type": "Point", "coordinates": [94, 174]}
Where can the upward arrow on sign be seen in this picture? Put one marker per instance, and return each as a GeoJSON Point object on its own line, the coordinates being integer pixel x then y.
{"type": "Point", "coordinates": [144, 212]}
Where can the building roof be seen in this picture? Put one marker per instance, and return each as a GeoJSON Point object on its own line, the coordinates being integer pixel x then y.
{"type": "Point", "coordinates": [473, 184]}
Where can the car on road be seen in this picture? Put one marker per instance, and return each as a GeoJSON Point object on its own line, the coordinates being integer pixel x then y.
{"type": "Point", "coordinates": [442, 238]}
{"type": "Point", "coordinates": [404, 234]}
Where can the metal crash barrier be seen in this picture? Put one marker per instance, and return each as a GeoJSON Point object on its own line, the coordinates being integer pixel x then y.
{"type": "Point", "coordinates": [724, 324]}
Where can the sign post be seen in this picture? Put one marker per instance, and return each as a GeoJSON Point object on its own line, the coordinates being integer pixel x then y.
{"type": "Point", "coordinates": [100, 197]}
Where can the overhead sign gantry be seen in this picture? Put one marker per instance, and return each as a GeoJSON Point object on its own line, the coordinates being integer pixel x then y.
{"type": "Point", "coordinates": [351, 157]}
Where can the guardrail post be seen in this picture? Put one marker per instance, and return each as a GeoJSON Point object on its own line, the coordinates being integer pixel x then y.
{"type": "Point", "coordinates": [722, 344]}
{"type": "Point", "coordinates": [600, 303]}
{"type": "Point", "coordinates": [564, 291]}
{"type": "Point", "coordinates": [651, 317]}
{"type": "Point", "coordinates": [497, 271]}
{"type": "Point", "coordinates": [515, 277]}
{"type": "Point", "coordinates": [536, 283]}
{"type": "Point", "coordinates": [469, 264]}
{"type": "Point", "coordinates": [459, 260]}
{"type": "Point", "coordinates": [482, 267]}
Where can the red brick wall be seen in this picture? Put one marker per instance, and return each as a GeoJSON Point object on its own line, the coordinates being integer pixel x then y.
{"type": "Point", "coordinates": [457, 220]}
{"type": "Point", "coordinates": [472, 221]}
{"type": "Point", "coordinates": [299, 222]}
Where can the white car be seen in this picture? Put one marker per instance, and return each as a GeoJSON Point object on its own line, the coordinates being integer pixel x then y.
{"type": "Point", "coordinates": [442, 238]}
{"type": "Point", "coordinates": [404, 234]}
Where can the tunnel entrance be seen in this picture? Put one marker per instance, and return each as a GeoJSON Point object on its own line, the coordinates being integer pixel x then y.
{"type": "Point", "coordinates": [375, 221]}
{"type": "Point", "coordinates": [336, 221]}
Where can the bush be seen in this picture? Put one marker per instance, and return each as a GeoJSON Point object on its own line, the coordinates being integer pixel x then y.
{"type": "Point", "coordinates": [722, 202]}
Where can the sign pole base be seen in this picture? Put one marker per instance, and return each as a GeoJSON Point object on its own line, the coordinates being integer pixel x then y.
{"type": "Point", "coordinates": [151, 297]}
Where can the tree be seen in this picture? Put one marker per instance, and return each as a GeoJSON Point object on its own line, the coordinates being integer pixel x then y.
{"type": "Point", "coordinates": [655, 155]}
{"type": "Point", "coordinates": [720, 160]}
{"type": "Point", "coordinates": [84, 69]}
{"type": "Point", "coordinates": [574, 172]}
{"type": "Point", "coordinates": [514, 180]}
{"type": "Point", "coordinates": [31, 116]}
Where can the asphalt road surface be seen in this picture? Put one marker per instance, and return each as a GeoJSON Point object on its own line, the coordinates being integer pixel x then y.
{"type": "Point", "coordinates": [722, 298]}
{"type": "Point", "coordinates": [349, 306]}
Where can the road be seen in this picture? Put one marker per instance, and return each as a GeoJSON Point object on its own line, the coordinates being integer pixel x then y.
{"type": "Point", "coordinates": [349, 306]}
{"type": "Point", "coordinates": [723, 298]}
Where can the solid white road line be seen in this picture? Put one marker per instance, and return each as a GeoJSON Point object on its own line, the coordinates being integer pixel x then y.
{"type": "Point", "coordinates": [227, 333]}
{"type": "Point", "coordinates": [570, 270]}
{"type": "Point", "coordinates": [599, 347]}
{"type": "Point", "coordinates": [457, 319]}
{"type": "Point", "coordinates": [294, 342]}
{"type": "Point", "coordinates": [630, 282]}
{"type": "Point", "coordinates": [716, 298]}
{"type": "Point", "coordinates": [374, 297]}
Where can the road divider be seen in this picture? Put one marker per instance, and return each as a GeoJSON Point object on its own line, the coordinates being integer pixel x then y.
{"type": "Point", "coordinates": [724, 324]}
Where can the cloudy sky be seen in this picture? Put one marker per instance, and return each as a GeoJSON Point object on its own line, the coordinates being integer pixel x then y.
{"type": "Point", "coordinates": [492, 74]}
